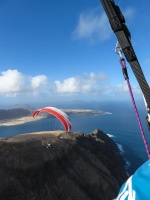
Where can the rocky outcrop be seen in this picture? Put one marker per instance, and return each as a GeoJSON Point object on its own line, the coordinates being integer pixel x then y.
{"type": "Point", "coordinates": [75, 166]}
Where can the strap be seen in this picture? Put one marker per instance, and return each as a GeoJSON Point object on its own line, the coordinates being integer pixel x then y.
{"type": "Point", "coordinates": [134, 63]}
{"type": "Point", "coordinates": [117, 23]}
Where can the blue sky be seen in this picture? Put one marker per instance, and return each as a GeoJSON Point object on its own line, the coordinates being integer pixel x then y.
{"type": "Point", "coordinates": [58, 50]}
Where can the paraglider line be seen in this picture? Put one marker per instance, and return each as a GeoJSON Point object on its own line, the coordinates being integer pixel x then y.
{"type": "Point", "coordinates": [123, 64]}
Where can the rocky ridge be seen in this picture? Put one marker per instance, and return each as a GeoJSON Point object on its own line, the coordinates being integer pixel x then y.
{"type": "Point", "coordinates": [75, 166]}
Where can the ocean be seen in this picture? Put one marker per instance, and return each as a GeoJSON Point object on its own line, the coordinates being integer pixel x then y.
{"type": "Point", "coordinates": [121, 125]}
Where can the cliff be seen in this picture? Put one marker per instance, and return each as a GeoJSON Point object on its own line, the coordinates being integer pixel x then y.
{"type": "Point", "coordinates": [74, 167]}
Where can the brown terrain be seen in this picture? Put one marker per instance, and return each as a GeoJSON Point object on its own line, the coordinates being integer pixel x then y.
{"type": "Point", "coordinates": [75, 166]}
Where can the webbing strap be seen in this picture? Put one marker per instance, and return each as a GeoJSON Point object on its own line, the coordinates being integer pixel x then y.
{"type": "Point", "coordinates": [134, 63]}
{"type": "Point", "coordinates": [141, 80]}
{"type": "Point", "coordinates": [117, 23]}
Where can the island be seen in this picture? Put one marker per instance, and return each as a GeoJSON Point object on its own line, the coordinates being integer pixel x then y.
{"type": "Point", "coordinates": [84, 111]}
{"type": "Point", "coordinates": [15, 116]}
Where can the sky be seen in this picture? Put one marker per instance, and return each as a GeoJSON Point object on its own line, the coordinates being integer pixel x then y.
{"type": "Point", "coordinates": [64, 50]}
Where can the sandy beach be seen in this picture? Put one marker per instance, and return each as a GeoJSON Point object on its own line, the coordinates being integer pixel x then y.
{"type": "Point", "coordinates": [20, 120]}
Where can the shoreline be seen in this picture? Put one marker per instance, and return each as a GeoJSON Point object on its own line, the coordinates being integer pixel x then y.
{"type": "Point", "coordinates": [21, 120]}
{"type": "Point", "coordinates": [26, 119]}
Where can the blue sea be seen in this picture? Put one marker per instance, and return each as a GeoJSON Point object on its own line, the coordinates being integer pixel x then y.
{"type": "Point", "coordinates": [121, 125]}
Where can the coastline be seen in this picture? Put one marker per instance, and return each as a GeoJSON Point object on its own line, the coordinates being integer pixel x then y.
{"type": "Point", "coordinates": [25, 119]}
{"type": "Point", "coordinates": [21, 120]}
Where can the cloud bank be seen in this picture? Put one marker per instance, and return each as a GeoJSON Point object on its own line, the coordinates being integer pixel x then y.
{"type": "Point", "coordinates": [89, 83]}
{"type": "Point", "coordinates": [14, 83]}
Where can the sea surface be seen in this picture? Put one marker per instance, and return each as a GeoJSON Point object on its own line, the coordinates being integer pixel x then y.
{"type": "Point", "coordinates": [121, 125]}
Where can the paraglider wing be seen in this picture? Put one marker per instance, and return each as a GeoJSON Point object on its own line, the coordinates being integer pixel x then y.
{"type": "Point", "coordinates": [59, 114]}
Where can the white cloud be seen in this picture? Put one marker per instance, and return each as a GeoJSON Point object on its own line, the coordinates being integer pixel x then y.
{"type": "Point", "coordinates": [70, 85]}
{"type": "Point", "coordinates": [89, 83]}
{"type": "Point", "coordinates": [13, 82]}
{"type": "Point", "coordinates": [38, 81]}
{"type": "Point", "coordinates": [123, 88]}
{"type": "Point", "coordinates": [129, 13]}
{"type": "Point", "coordinates": [93, 25]}
{"type": "Point", "coordinates": [136, 90]}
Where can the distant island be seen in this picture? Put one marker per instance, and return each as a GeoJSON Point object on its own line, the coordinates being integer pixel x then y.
{"type": "Point", "coordinates": [18, 115]}
{"type": "Point", "coordinates": [84, 111]}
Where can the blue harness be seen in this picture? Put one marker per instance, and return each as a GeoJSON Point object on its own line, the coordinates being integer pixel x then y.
{"type": "Point", "coordinates": [137, 187]}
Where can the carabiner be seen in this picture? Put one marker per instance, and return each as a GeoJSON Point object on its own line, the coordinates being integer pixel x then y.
{"type": "Point", "coordinates": [118, 49]}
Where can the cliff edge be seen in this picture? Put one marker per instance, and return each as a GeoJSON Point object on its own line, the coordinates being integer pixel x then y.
{"type": "Point", "coordinates": [74, 166]}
